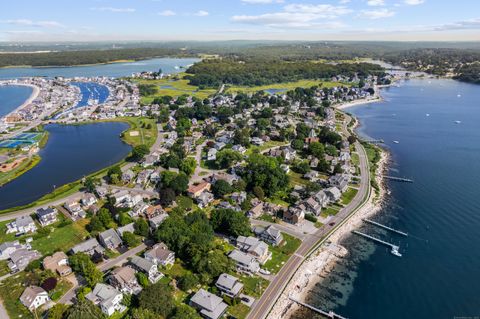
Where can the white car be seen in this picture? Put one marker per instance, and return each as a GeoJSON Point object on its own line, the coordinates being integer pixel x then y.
{"type": "Point", "coordinates": [264, 272]}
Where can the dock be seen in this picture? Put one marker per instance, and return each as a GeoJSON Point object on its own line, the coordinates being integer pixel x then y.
{"type": "Point", "coordinates": [398, 179]}
{"type": "Point", "coordinates": [394, 248]}
{"type": "Point", "coordinates": [385, 227]}
{"type": "Point", "coordinates": [328, 314]}
{"type": "Point", "coordinates": [374, 141]}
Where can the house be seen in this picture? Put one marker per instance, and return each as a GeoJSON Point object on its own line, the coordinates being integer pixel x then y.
{"type": "Point", "coordinates": [322, 198]}
{"type": "Point", "coordinates": [212, 154]}
{"type": "Point", "coordinates": [46, 216]}
{"type": "Point", "coordinates": [239, 197]}
{"type": "Point", "coordinates": [254, 247]}
{"type": "Point", "coordinates": [88, 200]}
{"type": "Point", "coordinates": [107, 298]}
{"type": "Point", "coordinates": [127, 228]}
{"type": "Point", "coordinates": [150, 160]}
{"type": "Point", "coordinates": [209, 305]}
{"type": "Point", "coordinates": [101, 191]}
{"type": "Point", "coordinates": [239, 148]}
{"type": "Point", "coordinates": [245, 262]}
{"type": "Point", "coordinates": [22, 225]}
{"type": "Point", "coordinates": [313, 206]}
{"type": "Point", "coordinates": [147, 267]}
{"type": "Point", "coordinates": [124, 279]}
{"type": "Point", "coordinates": [196, 190]}
{"type": "Point", "coordinates": [153, 211]}
{"type": "Point", "coordinates": [156, 221]}
{"type": "Point", "coordinates": [229, 178]}
{"type": "Point", "coordinates": [110, 239]}
{"type": "Point", "coordinates": [89, 247]}
{"type": "Point", "coordinates": [8, 248]}
{"type": "Point", "coordinates": [333, 193]}
{"type": "Point", "coordinates": [58, 262]}
{"type": "Point", "coordinates": [20, 259]}
{"type": "Point", "coordinates": [74, 208]}
{"type": "Point", "coordinates": [138, 209]}
{"type": "Point", "coordinates": [204, 199]}
{"type": "Point", "coordinates": [256, 211]}
{"type": "Point", "coordinates": [294, 215]}
{"type": "Point", "coordinates": [160, 255]}
{"type": "Point", "coordinates": [340, 181]}
{"type": "Point", "coordinates": [229, 285]}
{"type": "Point", "coordinates": [128, 176]}
{"type": "Point", "coordinates": [34, 297]}
{"type": "Point", "coordinates": [270, 235]}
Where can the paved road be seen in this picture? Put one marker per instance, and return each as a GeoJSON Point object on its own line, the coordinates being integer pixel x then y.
{"type": "Point", "coordinates": [109, 264]}
{"type": "Point", "coordinates": [262, 307]}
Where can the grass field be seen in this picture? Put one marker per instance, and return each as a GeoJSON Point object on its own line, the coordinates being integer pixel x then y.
{"type": "Point", "coordinates": [297, 179]}
{"type": "Point", "coordinates": [24, 167]}
{"type": "Point", "coordinates": [287, 86]}
{"type": "Point", "coordinates": [239, 311]}
{"type": "Point", "coordinates": [280, 254]}
{"type": "Point", "coordinates": [348, 196]}
{"type": "Point", "coordinates": [146, 128]}
{"type": "Point", "coordinates": [10, 291]}
{"type": "Point", "coordinates": [264, 147]}
{"type": "Point", "coordinates": [254, 286]}
{"type": "Point", "coordinates": [174, 88]}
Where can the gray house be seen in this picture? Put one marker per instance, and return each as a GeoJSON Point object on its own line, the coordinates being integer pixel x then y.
{"type": "Point", "coordinates": [110, 239]}
{"type": "Point", "coordinates": [89, 247]}
{"type": "Point", "coordinates": [245, 262]}
{"type": "Point", "coordinates": [147, 267]}
{"type": "Point", "coordinates": [209, 305]}
{"type": "Point", "coordinates": [160, 255]}
{"type": "Point", "coordinates": [229, 285]}
{"type": "Point", "coordinates": [270, 234]}
{"type": "Point", "coordinates": [20, 259]}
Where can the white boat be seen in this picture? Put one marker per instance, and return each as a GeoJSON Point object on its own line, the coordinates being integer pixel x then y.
{"type": "Point", "coordinates": [396, 142]}
{"type": "Point", "coordinates": [395, 252]}
{"type": "Point", "coordinates": [458, 122]}
{"type": "Point", "coordinates": [459, 95]}
{"type": "Point", "coordinates": [428, 114]}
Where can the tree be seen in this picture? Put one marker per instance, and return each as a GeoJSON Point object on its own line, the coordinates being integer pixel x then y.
{"type": "Point", "coordinates": [242, 137]}
{"type": "Point", "coordinates": [163, 115]}
{"type": "Point", "coordinates": [124, 219]}
{"type": "Point", "coordinates": [158, 298]}
{"type": "Point", "coordinates": [265, 172]}
{"type": "Point", "coordinates": [317, 149]}
{"type": "Point", "coordinates": [130, 239]}
{"type": "Point", "coordinates": [298, 144]}
{"type": "Point", "coordinates": [95, 225]}
{"type": "Point", "coordinates": [114, 174]}
{"type": "Point", "coordinates": [230, 222]}
{"type": "Point", "coordinates": [227, 157]}
{"type": "Point", "coordinates": [185, 312]}
{"type": "Point", "coordinates": [211, 264]}
{"type": "Point", "coordinates": [141, 227]}
{"type": "Point", "coordinates": [82, 264]}
{"type": "Point", "coordinates": [167, 196]}
{"type": "Point", "coordinates": [221, 188]}
{"type": "Point", "coordinates": [57, 311]}
{"type": "Point", "coordinates": [139, 152]}
{"type": "Point", "coordinates": [338, 169]}
{"type": "Point", "coordinates": [331, 150]}
{"type": "Point", "coordinates": [142, 279]}
{"type": "Point", "coordinates": [301, 167]}
{"type": "Point", "coordinates": [187, 281]}
{"type": "Point", "coordinates": [180, 183]}
{"type": "Point", "coordinates": [91, 183]}
{"type": "Point", "coordinates": [352, 139]}
{"type": "Point", "coordinates": [105, 217]}
{"type": "Point", "coordinates": [140, 313]}
{"type": "Point", "coordinates": [188, 165]}
{"type": "Point", "coordinates": [84, 309]}
{"type": "Point", "coordinates": [258, 192]}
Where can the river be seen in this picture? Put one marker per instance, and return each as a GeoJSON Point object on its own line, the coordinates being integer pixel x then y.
{"type": "Point", "coordinates": [437, 275]}
{"type": "Point", "coordinates": [72, 152]}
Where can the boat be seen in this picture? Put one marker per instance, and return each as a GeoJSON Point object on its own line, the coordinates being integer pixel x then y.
{"type": "Point", "coordinates": [395, 252]}
{"type": "Point", "coordinates": [459, 95]}
{"type": "Point", "coordinates": [458, 122]}
{"type": "Point", "coordinates": [396, 142]}
{"type": "Point", "coordinates": [428, 114]}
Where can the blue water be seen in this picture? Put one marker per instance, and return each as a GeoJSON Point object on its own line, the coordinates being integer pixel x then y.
{"type": "Point", "coordinates": [72, 152]}
{"type": "Point", "coordinates": [109, 70]}
{"type": "Point", "coordinates": [12, 96]}
{"type": "Point", "coordinates": [437, 277]}
{"type": "Point", "coordinates": [91, 90]}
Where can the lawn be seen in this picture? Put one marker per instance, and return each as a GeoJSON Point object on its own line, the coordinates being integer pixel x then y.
{"type": "Point", "coordinates": [265, 146]}
{"type": "Point", "coordinates": [280, 254]}
{"type": "Point", "coordinates": [10, 291]}
{"type": "Point", "coordinates": [254, 286]}
{"type": "Point", "coordinates": [348, 196]}
{"type": "Point", "coordinates": [331, 210]}
{"type": "Point", "coordinates": [145, 127]}
{"type": "Point", "coordinates": [297, 179]}
{"type": "Point", "coordinates": [62, 238]}
{"type": "Point", "coordinates": [24, 167]}
{"type": "Point", "coordinates": [239, 311]}
{"type": "Point", "coordinates": [62, 287]}
{"type": "Point", "coordinates": [286, 86]}
{"type": "Point", "coordinates": [355, 159]}
{"type": "Point", "coordinates": [174, 88]}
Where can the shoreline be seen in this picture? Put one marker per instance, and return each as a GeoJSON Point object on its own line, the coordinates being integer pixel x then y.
{"type": "Point", "coordinates": [321, 262]}
{"type": "Point", "coordinates": [29, 100]}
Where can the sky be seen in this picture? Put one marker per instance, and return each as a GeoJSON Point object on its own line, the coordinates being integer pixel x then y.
{"type": "Point", "coordinates": [171, 20]}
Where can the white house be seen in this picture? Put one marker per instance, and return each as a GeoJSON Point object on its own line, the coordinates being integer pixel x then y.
{"type": "Point", "coordinates": [107, 298]}
{"type": "Point", "coordinates": [34, 297]}
{"type": "Point", "coordinates": [22, 225]}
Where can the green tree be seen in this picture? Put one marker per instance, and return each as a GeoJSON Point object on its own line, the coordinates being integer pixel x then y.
{"type": "Point", "coordinates": [227, 158]}
{"type": "Point", "coordinates": [188, 165]}
{"type": "Point", "coordinates": [230, 222]}
{"type": "Point", "coordinates": [185, 312]}
{"type": "Point", "coordinates": [167, 196]}
{"type": "Point", "coordinates": [187, 281]}
{"type": "Point", "coordinates": [91, 183]}
{"type": "Point", "coordinates": [57, 311]}
{"type": "Point", "coordinates": [317, 149]}
{"type": "Point", "coordinates": [95, 225]}
{"type": "Point", "coordinates": [221, 188]}
{"type": "Point", "coordinates": [130, 239]}
{"type": "Point", "coordinates": [158, 298]}
{"type": "Point", "coordinates": [265, 172]}
{"type": "Point", "coordinates": [140, 313]}
{"type": "Point", "coordinates": [82, 264]}
{"type": "Point", "coordinates": [124, 219]}
{"type": "Point", "coordinates": [242, 137]}
{"type": "Point", "coordinates": [84, 309]}
{"type": "Point", "coordinates": [141, 227]}
{"type": "Point", "coordinates": [142, 279]}
{"type": "Point", "coordinates": [258, 192]}
{"type": "Point", "coordinates": [139, 152]}
{"type": "Point", "coordinates": [105, 217]}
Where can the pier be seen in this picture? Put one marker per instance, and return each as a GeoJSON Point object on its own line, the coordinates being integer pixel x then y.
{"type": "Point", "coordinates": [385, 227]}
{"type": "Point", "coordinates": [329, 314]}
{"type": "Point", "coordinates": [394, 248]}
{"type": "Point", "coordinates": [374, 141]}
{"type": "Point", "coordinates": [398, 179]}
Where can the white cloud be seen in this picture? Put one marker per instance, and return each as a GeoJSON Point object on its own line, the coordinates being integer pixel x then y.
{"type": "Point", "coordinates": [167, 13]}
{"type": "Point", "coordinates": [376, 3]}
{"type": "Point", "coordinates": [472, 24]}
{"type": "Point", "coordinates": [344, 1]}
{"type": "Point", "coordinates": [377, 14]}
{"type": "Point", "coordinates": [112, 9]}
{"type": "Point", "coordinates": [201, 13]}
{"type": "Point", "coordinates": [30, 23]}
{"type": "Point", "coordinates": [414, 2]}
{"type": "Point", "coordinates": [262, 1]}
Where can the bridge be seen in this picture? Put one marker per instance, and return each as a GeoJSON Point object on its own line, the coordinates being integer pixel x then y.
{"type": "Point", "coordinates": [329, 314]}
{"type": "Point", "coordinates": [385, 227]}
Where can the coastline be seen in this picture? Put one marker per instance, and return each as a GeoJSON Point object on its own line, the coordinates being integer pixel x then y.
{"type": "Point", "coordinates": [31, 98]}
{"type": "Point", "coordinates": [321, 262]}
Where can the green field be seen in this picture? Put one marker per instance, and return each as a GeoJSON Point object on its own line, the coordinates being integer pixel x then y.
{"type": "Point", "coordinates": [254, 286]}
{"type": "Point", "coordinates": [24, 167]}
{"type": "Point", "coordinates": [146, 136]}
{"type": "Point", "coordinates": [174, 88]}
{"type": "Point", "coordinates": [265, 146]}
{"type": "Point", "coordinates": [239, 311]}
{"type": "Point", "coordinates": [297, 179]}
{"type": "Point", "coordinates": [287, 86]}
{"type": "Point", "coordinates": [348, 196]}
{"type": "Point", "coordinates": [280, 254]}
{"type": "Point", "coordinates": [10, 291]}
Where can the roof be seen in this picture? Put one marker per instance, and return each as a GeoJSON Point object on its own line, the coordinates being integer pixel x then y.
{"type": "Point", "coordinates": [124, 275]}
{"type": "Point", "coordinates": [87, 245]}
{"type": "Point", "coordinates": [159, 251]}
{"type": "Point", "coordinates": [206, 300]}
{"type": "Point", "coordinates": [29, 294]}
{"type": "Point", "coordinates": [103, 294]}
{"type": "Point", "coordinates": [142, 263]}
{"type": "Point", "coordinates": [241, 257]}
{"type": "Point", "coordinates": [41, 212]}
{"type": "Point", "coordinates": [23, 221]}
{"type": "Point", "coordinates": [52, 261]}
{"type": "Point", "coordinates": [200, 187]}
{"type": "Point", "coordinates": [229, 282]}
{"type": "Point", "coordinates": [129, 227]}
{"type": "Point", "coordinates": [110, 237]}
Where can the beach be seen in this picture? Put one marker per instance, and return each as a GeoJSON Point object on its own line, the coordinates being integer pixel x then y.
{"type": "Point", "coordinates": [31, 98]}
{"type": "Point", "coordinates": [324, 258]}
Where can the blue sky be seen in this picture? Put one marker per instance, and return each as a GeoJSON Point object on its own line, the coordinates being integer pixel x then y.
{"type": "Point", "coordinates": [92, 20]}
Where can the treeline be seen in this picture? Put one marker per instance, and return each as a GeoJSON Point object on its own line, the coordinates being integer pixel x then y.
{"type": "Point", "coordinates": [252, 72]}
{"type": "Point", "coordinates": [69, 58]}
{"type": "Point", "coordinates": [469, 73]}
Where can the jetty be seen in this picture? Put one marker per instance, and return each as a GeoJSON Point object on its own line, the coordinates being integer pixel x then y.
{"type": "Point", "coordinates": [374, 141]}
{"type": "Point", "coordinates": [385, 227]}
{"type": "Point", "coordinates": [398, 179]}
{"type": "Point", "coordinates": [328, 314]}
{"type": "Point", "coordinates": [394, 248]}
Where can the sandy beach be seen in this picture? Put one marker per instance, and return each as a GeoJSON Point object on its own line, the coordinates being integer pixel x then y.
{"type": "Point", "coordinates": [31, 98]}
{"type": "Point", "coordinates": [323, 260]}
